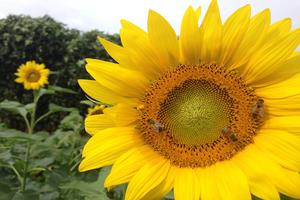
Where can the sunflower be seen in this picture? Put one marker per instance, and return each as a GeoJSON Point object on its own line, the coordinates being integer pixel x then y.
{"type": "Point", "coordinates": [96, 110]}
{"type": "Point", "coordinates": [211, 114]}
{"type": "Point", "coordinates": [32, 75]}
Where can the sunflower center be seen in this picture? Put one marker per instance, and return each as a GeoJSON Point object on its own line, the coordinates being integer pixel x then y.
{"type": "Point", "coordinates": [195, 112]}
{"type": "Point", "coordinates": [198, 115]}
{"type": "Point", "coordinates": [33, 76]}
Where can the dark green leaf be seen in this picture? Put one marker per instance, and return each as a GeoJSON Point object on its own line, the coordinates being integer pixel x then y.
{"type": "Point", "coordinates": [5, 191]}
{"type": "Point", "coordinates": [16, 134]}
{"type": "Point", "coordinates": [27, 195]}
{"type": "Point", "coordinates": [61, 89]}
{"type": "Point", "coordinates": [14, 107]}
{"type": "Point", "coordinates": [56, 108]}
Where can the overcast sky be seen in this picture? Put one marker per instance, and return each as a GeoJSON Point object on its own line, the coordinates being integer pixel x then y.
{"type": "Point", "coordinates": [105, 15]}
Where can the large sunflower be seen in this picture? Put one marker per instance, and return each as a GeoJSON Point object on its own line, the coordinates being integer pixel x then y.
{"type": "Point", "coordinates": [32, 75]}
{"type": "Point", "coordinates": [213, 114]}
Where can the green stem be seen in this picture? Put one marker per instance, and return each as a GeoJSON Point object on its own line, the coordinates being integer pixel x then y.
{"type": "Point", "coordinates": [30, 131]}
{"type": "Point", "coordinates": [17, 174]}
{"type": "Point", "coordinates": [42, 117]}
{"type": "Point", "coordinates": [23, 188]}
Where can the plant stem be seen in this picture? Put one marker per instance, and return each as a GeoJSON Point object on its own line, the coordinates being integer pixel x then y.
{"type": "Point", "coordinates": [23, 187]}
{"type": "Point", "coordinates": [42, 117]}
{"type": "Point", "coordinates": [30, 129]}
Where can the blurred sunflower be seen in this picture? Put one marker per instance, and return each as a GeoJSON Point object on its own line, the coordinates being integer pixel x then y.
{"type": "Point", "coordinates": [213, 114]}
{"type": "Point", "coordinates": [96, 110]}
{"type": "Point", "coordinates": [32, 75]}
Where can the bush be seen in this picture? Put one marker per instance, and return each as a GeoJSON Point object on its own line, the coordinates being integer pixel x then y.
{"type": "Point", "coordinates": [61, 49]}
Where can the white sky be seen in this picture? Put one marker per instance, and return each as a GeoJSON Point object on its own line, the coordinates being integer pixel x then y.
{"type": "Point", "coordinates": [105, 15]}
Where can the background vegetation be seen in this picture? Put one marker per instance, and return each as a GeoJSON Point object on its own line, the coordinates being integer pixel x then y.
{"type": "Point", "coordinates": [61, 49]}
{"type": "Point", "coordinates": [55, 147]}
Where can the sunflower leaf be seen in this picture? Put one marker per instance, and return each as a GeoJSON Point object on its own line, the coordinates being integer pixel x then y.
{"type": "Point", "coordinates": [56, 108]}
{"type": "Point", "coordinates": [89, 190]}
{"type": "Point", "coordinates": [61, 89]}
{"type": "Point", "coordinates": [14, 107]}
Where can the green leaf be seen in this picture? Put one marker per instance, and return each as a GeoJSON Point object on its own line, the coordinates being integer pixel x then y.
{"type": "Point", "coordinates": [56, 108]}
{"type": "Point", "coordinates": [36, 170]}
{"type": "Point", "coordinates": [27, 195]}
{"type": "Point", "coordinates": [90, 191]}
{"type": "Point", "coordinates": [169, 196]}
{"type": "Point", "coordinates": [5, 191]}
{"type": "Point", "coordinates": [61, 89]}
{"type": "Point", "coordinates": [43, 162]}
{"type": "Point", "coordinates": [14, 107]}
{"type": "Point", "coordinates": [44, 91]}
{"type": "Point", "coordinates": [5, 156]}
{"type": "Point", "coordinates": [29, 107]}
{"type": "Point", "coordinates": [16, 134]}
{"type": "Point", "coordinates": [73, 121]}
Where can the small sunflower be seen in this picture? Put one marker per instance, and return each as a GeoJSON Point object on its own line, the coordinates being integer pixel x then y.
{"type": "Point", "coordinates": [96, 110]}
{"type": "Point", "coordinates": [32, 75]}
{"type": "Point", "coordinates": [213, 114]}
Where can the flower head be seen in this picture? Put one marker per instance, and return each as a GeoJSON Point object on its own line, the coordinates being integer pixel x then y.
{"type": "Point", "coordinates": [213, 114]}
{"type": "Point", "coordinates": [32, 75]}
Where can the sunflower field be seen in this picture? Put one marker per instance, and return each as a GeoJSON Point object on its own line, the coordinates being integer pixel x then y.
{"type": "Point", "coordinates": [209, 113]}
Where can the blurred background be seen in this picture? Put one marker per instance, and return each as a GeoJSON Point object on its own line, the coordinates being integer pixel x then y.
{"type": "Point", "coordinates": [61, 34]}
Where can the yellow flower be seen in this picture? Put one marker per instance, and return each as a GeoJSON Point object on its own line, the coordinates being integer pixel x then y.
{"type": "Point", "coordinates": [213, 114]}
{"type": "Point", "coordinates": [32, 75]}
{"type": "Point", "coordinates": [98, 109]}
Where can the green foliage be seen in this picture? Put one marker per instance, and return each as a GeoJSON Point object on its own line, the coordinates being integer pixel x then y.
{"type": "Point", "coordinates": [53, 164]}
{"type": "Point", "coordinates": [63, 51]}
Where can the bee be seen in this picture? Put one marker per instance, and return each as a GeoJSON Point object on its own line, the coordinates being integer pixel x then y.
{"type": "Point", "coordinates": [157, 126]}
{"type": "Point", "coordinates": [230, 134]}
{"type": "Point", "coordinates": [258, 110]}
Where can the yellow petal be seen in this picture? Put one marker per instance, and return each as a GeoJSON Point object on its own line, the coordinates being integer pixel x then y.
{"type": "Point", "coordinates": [123, 114]}
{"type": "Point", "coordinates": [145, 54]}
{"type": "Point", "coordinates": [123, 81]}
{"type": "Point", "coordinates": [130, 26]}
{"type": "Point", "coordinates": [281, 146]}
{"type": "Point", "coordinates": [233, 184]}
{"type": "Point", "coordinates": [107, 145]}
{"type": "Point", "coordinates": [234, 31]}
{"type": "Point", "coordinates": [257, 166]}
{"type": "Point", "coordinates": [292, 190]}
{"type": "Point", "coordinates": [211, 34]}
{"type": "Point", "coordinates": [276, 53]}
{"type": "Point", "coordinates": [164, 39]}
{"type": "Point", "coordinates": [142, 53]}
{"type": "Point", "coordinates": [128, 164]}
{"type": "Point", "coordinates": [278, 29]}
{"type": "Point", "coordinates": [118, 53]}
{"type": "Point", "coordinates": [186, 184]}
{"type": "Point", "coordinates": [95, 123]}
{"type": "Point", "coordinates": [163, 188]}
{"type": "Point", "coordinates": [189, 37]}
{"type": "Point", "coordinates": [283, 107]}
{"type": "Point", "coordinates": [263, 189]}
{"type": "Point", "coordinates": [149, 176]}
{"type": "Point", "coordinates": [287, 123]}
{"type": "Point", "coordinates": [287, 88]}
{"type": "Point", "coordinates": [99, 92]}
{"type": "Point", "coordinates": [252, 41]}
{"type": "Point", "coordinates": [278, 73]}
{"type": "Point", "coordinates": [259, 180]}
{"type": "Point", "coordinates": [207, 181]}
